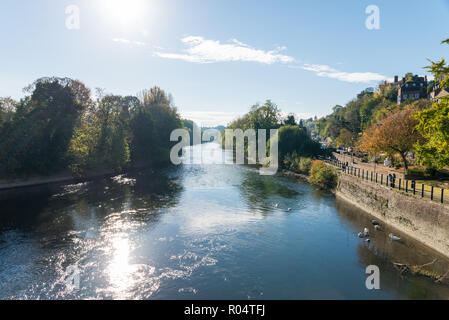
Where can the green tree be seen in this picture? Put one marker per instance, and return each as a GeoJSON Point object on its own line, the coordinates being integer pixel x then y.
{"type": "Point", "coordinates": [434, 123]}
{"type": "Point", "coordinates": [345, 138]}
{"type": "Point", "coordinates": [142, 128]}
{"type": "Point", "coordinates": [295, 139]}
{"type": "Point", "coordinates": [100, 143]}
{"type": "Point", "coordinates": [358, 114]}
{"type": "Point", "coordinates": [265, 117]}
{"type": "Point", "coordinates": [165, 119]}
{"type": "Point", "coordinates": [290, 120]}
{"type": "Point", "coordinates": [434, 127]}
{"type": "Point", "coordinates": [191, 126]}
{"type": "Point", "coordinates": [7, 108]}
{"type": "Point", "coordinates": [36, 138]}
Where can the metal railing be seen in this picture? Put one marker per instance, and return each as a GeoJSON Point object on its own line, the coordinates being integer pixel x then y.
{"type": "Point", "coordinates": [404, 185]}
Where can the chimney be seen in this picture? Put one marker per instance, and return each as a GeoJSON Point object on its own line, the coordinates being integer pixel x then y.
{"type": "Point", "coordinates": [425, 78]}
{"type": "Point", "coordinates": [396, 79]}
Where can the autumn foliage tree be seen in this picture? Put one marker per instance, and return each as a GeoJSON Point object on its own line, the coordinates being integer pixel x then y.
{"type": "Point", "coordinates": [396, 134]}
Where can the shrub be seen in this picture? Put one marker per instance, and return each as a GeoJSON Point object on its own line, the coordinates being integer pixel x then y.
{"type": "Point", "coordinates": [289, 161]}
{"type": "Point", "coordinates": [415, 172]}
{"type": "Point", "coordinates": [297, 164]}
{"type": "Point", "coordinates": [431, 171]}
{"type": "Point", "coordinates": [322, 175]}
{"type": "Point", "coordinates": [305, 164]}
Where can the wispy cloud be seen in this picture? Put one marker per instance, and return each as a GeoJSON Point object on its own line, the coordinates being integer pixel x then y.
{"type": "Point", "coordinates": [353, 77]}
{"type": "Point", "coordinates": [202, 50]}
{"type": "Point", "coordinates": [129, 42]}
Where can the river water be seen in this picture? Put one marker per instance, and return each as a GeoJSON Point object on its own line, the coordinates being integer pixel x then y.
{"type": "Point", "coordinates": [209, 231]}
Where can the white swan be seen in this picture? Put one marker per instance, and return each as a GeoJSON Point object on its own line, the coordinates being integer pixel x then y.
{"type": "Point", "coordinates": [360, 235]}
{"type": "Point", "coordinates": [377, 227]}
{"type": "Point", "coordinates": [366, 232]}
{"type": "Point", "coordinates": [392, 237]}
{"type": "Point", "coordinates": [289, 209]}
{"type": "Point", "coordinates": [276, 205]}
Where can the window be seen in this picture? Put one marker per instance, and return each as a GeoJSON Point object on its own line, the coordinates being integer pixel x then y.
{"type": "Point", "coordinates": [416, 95]}
{"type": "Point", "coordinates": [404, 96]}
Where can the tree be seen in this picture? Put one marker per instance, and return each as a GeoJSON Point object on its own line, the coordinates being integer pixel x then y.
{"type": "Point", "coordinates": [440, 69]}
{"type": "Point", "coordinates": [294, 139]}
{"type": "Point", "coordinates": [434, 127]}
{"type": "Point", "coordinates": [154, 97]}
{"type": "Point", "coordinates": [7, 108]}
{"type": "Point", "coordinates": [142, 128]}
{"type": "Point", "coordinates": [396, 134]}
{"type": "Point", "coordinates": [434, 123]}
{"type": "Point", "coordinates": [59, 126]}
{"type": "Point", "coordinates": [290, 120]}
{"type": "Point", "coordinates": [192, 127]}
{"type": "Point", "coordinates": [345, 138]}
{"type": "Point", "coordinates": [36, 138]}
{"type": "Point", "coordinates": [266, 116]}
{"type": "Point", "coordinates": [165, 119]}
{"type": "Point", "coordinates": [101, 141]}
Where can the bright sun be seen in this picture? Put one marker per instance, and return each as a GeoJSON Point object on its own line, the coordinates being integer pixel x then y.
{"type": "Point", "coordinates": [124, 12]}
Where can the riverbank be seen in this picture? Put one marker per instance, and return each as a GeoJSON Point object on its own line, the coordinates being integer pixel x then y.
{"type": "Point", "coordinates": [292, 174]}
{"type": "Point", "coordinates": [421, 219]}
{"type": "Point", "coordinates": [35, 181]}
{"type": "Point", "coordinates": [64, 177]}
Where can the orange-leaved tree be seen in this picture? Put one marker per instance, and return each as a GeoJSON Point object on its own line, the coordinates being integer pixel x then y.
{"type": "Point", "coordinates": [396, 134]}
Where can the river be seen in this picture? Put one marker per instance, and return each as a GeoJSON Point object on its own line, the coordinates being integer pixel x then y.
{"type": "Point", "coordinates": [209, 231]}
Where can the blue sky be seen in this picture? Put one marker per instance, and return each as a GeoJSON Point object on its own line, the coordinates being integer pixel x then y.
{"type": "Point", "coordinates": [220, 57]}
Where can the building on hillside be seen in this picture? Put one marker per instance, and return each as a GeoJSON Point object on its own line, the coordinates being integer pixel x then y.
{"type": "Point", "coordinates": [411, 87]}
{"type": "Point", "coordinates": [437, 92]}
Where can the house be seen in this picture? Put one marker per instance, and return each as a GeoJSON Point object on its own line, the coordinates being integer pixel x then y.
{"type": "Point", "coordinates": [411, 87]}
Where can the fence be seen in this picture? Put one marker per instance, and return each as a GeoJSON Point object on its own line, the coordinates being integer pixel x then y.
{"type": "Point", "coordinates": [408, 186]}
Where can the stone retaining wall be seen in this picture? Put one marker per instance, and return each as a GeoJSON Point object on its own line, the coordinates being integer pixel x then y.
{"type": "Point", "coordinates": [424, 220]}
